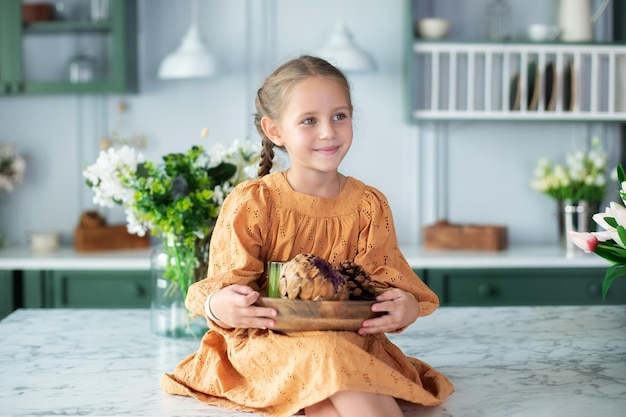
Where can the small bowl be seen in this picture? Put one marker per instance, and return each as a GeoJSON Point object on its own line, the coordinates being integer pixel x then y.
{"type": "Point", "coordinates": [432, 28]}
{"type": "Point", "coordinates": [44, 241]}
{"type": "Point", "coordinates": [301, 315]}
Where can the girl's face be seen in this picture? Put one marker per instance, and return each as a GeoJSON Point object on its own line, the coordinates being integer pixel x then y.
{"type": "Point", "coordinates": [315, 126]}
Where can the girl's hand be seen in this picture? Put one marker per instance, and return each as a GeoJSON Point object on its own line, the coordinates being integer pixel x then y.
{"type": "Point", "coordinates": [401, 307]}
{"type": "Point", "coordinates": [233, 306]}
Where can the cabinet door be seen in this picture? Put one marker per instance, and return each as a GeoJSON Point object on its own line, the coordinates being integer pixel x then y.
{"type": "Point", "coordinates": [10, 47]}
{"type": "Point", "coordinates": [35, 57]}
{"type": "Point", "coordinates": [100, 289]}
{"type": "Point", "coordinates": [493, 287]}
{"type": "Point", "coordinates": [6, 294]}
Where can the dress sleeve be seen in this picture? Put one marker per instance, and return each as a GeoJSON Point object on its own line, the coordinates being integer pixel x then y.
{"type": "Point", "coordinates": [236, 251]}
{"type": "Point", "coordinates": [379, 254]}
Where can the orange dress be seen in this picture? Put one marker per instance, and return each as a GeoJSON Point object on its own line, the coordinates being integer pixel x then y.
{"type": "Point", "coordinates": [276, 374]}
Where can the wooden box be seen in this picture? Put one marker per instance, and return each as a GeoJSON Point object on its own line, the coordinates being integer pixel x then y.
{"type": "Point", "coordinates": [444, 235]}
{"type": "Point", "coordinates": [91, 239]}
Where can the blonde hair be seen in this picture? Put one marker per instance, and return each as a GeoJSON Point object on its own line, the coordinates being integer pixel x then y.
{"type": "Point", "coordinates": [275, 91]}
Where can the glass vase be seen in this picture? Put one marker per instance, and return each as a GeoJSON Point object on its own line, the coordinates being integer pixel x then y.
{"type": "Point", "coordinates": [575, 216]}
{"type": "Point", "coordinates": [174, 268]}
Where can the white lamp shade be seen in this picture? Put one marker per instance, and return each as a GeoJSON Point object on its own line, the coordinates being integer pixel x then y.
{"type": "Point", "coordinates": [340, 50]}
{"type": "Point", "coordinates": [190, 60]}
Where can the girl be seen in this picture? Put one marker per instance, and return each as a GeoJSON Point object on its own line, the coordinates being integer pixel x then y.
{"type": "Point", "coordinates": [305, 108]}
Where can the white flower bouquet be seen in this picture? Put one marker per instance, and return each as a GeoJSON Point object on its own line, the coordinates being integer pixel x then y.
{"type": "Point", "coordinates": [179, 198]}
{"type": "Point", "coordinates": [12, 168]}
{"type": "Point", "coordinates": [583, 177]}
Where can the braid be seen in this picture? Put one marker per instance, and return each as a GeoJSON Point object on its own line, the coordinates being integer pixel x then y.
{"type": "Point", "coordinates": [267, 155]}
{"type": "Point", "coordinates": [267, 146]}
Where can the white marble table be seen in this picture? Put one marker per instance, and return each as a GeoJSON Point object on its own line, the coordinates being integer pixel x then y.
{"type": "Point", "coordinates": [504, 362]}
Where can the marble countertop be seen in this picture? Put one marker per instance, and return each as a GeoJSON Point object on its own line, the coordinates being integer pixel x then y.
{"type": "Point", "coordinates": [139, 259]}
{"type": "Point", "coordinates": [504, 362]}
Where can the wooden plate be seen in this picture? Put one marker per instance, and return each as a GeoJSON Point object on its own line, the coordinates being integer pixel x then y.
{"type": "Point", "coordinates": [300, 315]}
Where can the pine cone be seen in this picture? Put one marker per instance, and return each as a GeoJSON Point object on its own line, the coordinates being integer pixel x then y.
{"type": "Point", "coordinates": [358, 281]}
{"type": "Point", "coordinates": [309, 277]}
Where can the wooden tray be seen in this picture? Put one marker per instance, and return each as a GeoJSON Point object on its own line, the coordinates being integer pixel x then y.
{"type": "Point", "coordinates": [300, 315]}
{"type": "Point", "coordinates": [92, 239]}
{"type": "Point", "coordinates": [444, 235]}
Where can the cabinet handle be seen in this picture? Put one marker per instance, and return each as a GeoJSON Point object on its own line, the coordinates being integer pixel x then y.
{"type": "Point", "coordinates": [17, 87]}
{"type": "Point", "coordinates": [593, 289]}
{"type": "Point", "coordinates": [140, 291]}
{"type": "Point", "coordinates": [64, 291]}
{"type": "Point", "coordinates": [13, 87]}
{"type": "Point", "coordinates": [486, 290]}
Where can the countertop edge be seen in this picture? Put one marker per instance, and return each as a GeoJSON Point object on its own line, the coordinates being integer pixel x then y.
{"type": "Point", "coordinates": [23, 258]}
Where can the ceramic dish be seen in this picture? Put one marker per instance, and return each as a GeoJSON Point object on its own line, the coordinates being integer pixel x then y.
{"type": "Point", "coordinates": [300, 315]}
{"type": "Point", "coordinates": [533, 81]}
{"type": "Point", "coordinates": [550, 83]}
{"type": "Point", "coordinates": [569, 87]}
{"type": "Point", "coordinates": [44, 241]}
{"type": "Point", "coordinates": [432, 28]}
{"type": "Point", "coordinates": [514, 92]}
{"type": "Point", "coordinates": [533, 87]}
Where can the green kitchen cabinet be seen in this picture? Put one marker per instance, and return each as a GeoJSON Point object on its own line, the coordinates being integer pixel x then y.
{"type": "Point", "coordinates": [87, 289]}
{"type": "Point", "coordinates": [6, 294]}
{"type": "Point", "coordinates": [420, 273]}
{"type": "Point", "coordinates": [529, 286]}
{"type": "Point", "coordinates": [35, 57]}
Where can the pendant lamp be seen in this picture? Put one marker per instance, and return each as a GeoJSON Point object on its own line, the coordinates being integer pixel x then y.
{"type": "Point", "coordinates": [340, 50]}
{"type": "Point", "coordinates": [191, 59]}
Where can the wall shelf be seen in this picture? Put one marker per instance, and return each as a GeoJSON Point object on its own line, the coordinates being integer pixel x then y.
{"type": "Point", "coordinates": [518, 81]}
{"type": "Point", "coordinates": [35, 58]}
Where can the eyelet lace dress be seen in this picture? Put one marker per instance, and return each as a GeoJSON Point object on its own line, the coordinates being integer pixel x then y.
{"type": "Point", "coordinates": [279, 374]}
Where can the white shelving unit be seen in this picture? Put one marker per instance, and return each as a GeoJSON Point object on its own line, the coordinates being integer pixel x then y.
{"type": "Point", "coordinates": [460, 81]}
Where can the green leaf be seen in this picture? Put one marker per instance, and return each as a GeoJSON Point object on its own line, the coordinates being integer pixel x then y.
{"type": "Point", "coordinates": [144, 169]}
{"type": "Point", "coordinates": [611, 221]}
{"type": "Point", "coordinates": [613, 272]}
{"type": "Point", "coordinates": [621, 232]}
{"type": "Point", "coordinates": [611, 252]}
{"type": "Point", "coordinates": [621, 175]}
{"type": "Point", "coordinates": [223, 172]}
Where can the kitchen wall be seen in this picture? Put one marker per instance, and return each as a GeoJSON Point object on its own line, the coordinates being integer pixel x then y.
{"type": "Point", "coordinates": [465, 171]}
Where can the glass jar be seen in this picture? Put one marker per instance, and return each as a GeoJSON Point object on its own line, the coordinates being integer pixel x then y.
{"type": "Point", "coordinates": [498, 14]}
{"type": "Point", "coordinates": [168, 314]}
{"type": "Point", "coordinates": [81, 69]}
